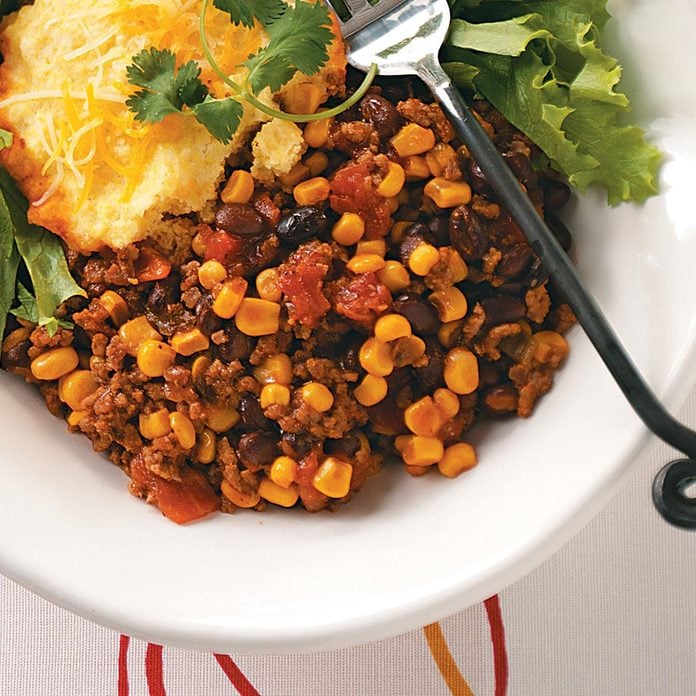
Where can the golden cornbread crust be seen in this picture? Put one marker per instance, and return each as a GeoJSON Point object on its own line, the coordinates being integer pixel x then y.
{"type": "Point", "coordinates": [91, 173]}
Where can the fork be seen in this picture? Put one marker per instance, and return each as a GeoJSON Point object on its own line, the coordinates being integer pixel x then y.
{"type": "Point", "coordinates": [403, 37]}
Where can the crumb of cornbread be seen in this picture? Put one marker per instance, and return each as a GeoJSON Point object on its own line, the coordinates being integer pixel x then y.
{"type": "Point", "coordinates": [276, 149]}
{"type": "Point", "coordinates": [133, 173]}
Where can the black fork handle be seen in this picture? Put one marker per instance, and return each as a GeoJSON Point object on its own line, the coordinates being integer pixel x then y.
{"type": "Point", "coordinates": [561, 270]}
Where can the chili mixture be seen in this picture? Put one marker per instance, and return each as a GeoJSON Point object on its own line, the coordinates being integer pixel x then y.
{"type": "Point", "coordinates": [373, 303]}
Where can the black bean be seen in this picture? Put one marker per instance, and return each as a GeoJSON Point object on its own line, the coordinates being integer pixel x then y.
{"type": "Point", "coordinates": [439, 229]}
{"type": "Point", "coordinates": [467, 234]}
{"type": "Point", "coordinates": [17, 356]}
{"type": "Point", "coordinates": [556, 194]}
{"type": "Point", "coordinates": [514, 261]}
{"type": "Point", "coordinates": [387, 416]}
{"type": "Point", "coordinates": [414, 236]}
{"type": "Point", "coordinates": [237, 347]}
{"type": "Point", "coordinates": [522, 168]}
{"type": "Point", "coordinates": [257, 449]}
{"type": "Point", "coordinates": [206, 320]}
{"type": "Point", "coordinates": [240, 219]}
{"type": "Point", "coordinates": [382, 114]}
{"type": "Point", "coordinates": [431, 376]}
{"type": "Point", "coordinates": [252, 417]}
{"type": "Point", "coordinates": [420, 313]}
{"type": "Point", "coordinates": [161, 296]}
{"type": "Point", "coordinates": [296, 445]}
{"type": "Point", "coordinates": [349, 360]}
{"type": "Point", "coordinates": [503, 309]}
{"type": "Point", "coordinates": [345, 447]}
{"type": "Point", "coordinates": [478, 180]}
{"type": "Point", "coordinates": [302, 224]}
{"type": "Point", "coordinates": [560, 231]}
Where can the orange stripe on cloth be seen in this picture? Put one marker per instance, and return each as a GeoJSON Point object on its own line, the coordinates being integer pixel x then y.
{"type": "Point", "coordinates": [445, 662]}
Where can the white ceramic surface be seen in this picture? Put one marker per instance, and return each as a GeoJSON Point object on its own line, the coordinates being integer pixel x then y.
{"type": "Point", "coordinates": [406, 551]}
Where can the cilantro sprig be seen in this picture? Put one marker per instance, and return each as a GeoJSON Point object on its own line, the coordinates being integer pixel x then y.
{"type": "Point", "coordinates": [298, 39]}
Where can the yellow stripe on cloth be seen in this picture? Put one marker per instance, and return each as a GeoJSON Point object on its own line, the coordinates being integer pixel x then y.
{"type": "Point", "coordinates": [445, 662]}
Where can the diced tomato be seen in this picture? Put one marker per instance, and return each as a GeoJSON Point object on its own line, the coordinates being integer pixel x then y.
{"type": "Point", "coordinates": [180, 501]}
{"type": "Point", "coordinates": [301, 278]}
{"type": "Point", "coordinates": [362, 298]}
{"type": "Point", "coordinates": [352, 191]}
{"type": "Point", "coordinates": [219, 245]}
{"type": "Point", "coordinates": [306, 468]}
{"type": "Point", "coordinates": [151, 265]}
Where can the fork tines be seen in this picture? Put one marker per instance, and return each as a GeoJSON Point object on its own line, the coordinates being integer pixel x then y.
{"type": "Point", "coordinates": [357, 14]}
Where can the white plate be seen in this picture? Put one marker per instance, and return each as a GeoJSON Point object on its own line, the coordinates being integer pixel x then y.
{"type": "Point", "coordinates": [406, 551]}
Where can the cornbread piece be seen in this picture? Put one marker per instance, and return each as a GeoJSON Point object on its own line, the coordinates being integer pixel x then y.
{"type": "Point", "coordinates": [93, 174]}
{"type": "Point", "coordinates": [277, 148]}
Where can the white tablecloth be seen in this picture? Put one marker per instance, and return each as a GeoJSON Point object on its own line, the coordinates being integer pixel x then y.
{"type": "Point", "coordinates": [612, 614]}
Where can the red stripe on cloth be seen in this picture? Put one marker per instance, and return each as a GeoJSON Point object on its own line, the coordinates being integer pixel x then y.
{"type": "Point", "coordinates": [123, 644]}
{"type": "Point", "coordinates": [500, 660]}
{"type": "Point", "coordinates": [154, 670]}
{"type": "Point", "coordinates": [236, 676]}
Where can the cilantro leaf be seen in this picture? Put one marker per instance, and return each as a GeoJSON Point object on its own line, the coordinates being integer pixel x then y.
{"type": "Point", "coordinates": [220, 116]}
{"type": "Point", "coordinates": [245, 11]}
{"type": "Point", "coordinates": [297, 41]}
{"type": "Point", "coordinates": [9, 262]}
{"type": "Point", "coordinates": [165, 89]}
{"type": "Point", "coordinates": [42, 254]}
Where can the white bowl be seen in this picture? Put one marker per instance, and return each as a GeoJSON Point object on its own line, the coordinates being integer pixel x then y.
{"type": "Point", "coordinates": [406, 551]}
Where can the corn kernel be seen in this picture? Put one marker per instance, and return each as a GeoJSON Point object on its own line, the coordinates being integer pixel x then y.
{"type": "Point", "coordinates": [375, 358]}
{"type": "Point", "coordinates": [155, 358]}
{"type": "Point", "coordinates": [333, 478]}
{"type": "Point", "coordinates": [318, 396]}
{"type": "Point", "coordinates": [371, 390]}
{"type": "Point", "coordinates": [211, 273]}
{"type": "Point", "coordinates": [373, 246]}
{"type": "Point", "coordinates": [390, 327]}
{"type": "Point", "coordinates": [206, 448]}
{"type": "Point", "coordinates": [283, 471]}
{"type": "Point", "coordinates": [407, 350]}
{"type": "Point", "coordinates": [416, 168]}
{"type": "Point", "coordinates": [423, 417]}
{"type": "Point", "coordinates": [393, 181]}
{"type": "Point", "coordinates": [152, 425]}
{"type": "Point", "coordinates": [394, 204]}
{"type": "Point", "coordinates": [257, 317]}
{"type": "Point", "coordinates": [348, 230]}
{"type": "Point", "coordinates": [457, 459]}
{"type": "Point", "coordinates": [365, 263]}
{"type": "Point", "coordinates": [75, 387]}
{"type": "Point", "coordinates": [220, 419]}
{"type": "Point", "coordinates": [461, 371]}
{"type": "Point", "coordinates": [422, 451]}
{"type": "Point", "coordinates": [135, 332]}
{"type": "Point", "coordinates": [394, 276]}
{"type": "Point", "coordinates": [297, 174]}
{"type": "Point", "coordinates": [550, 347]}
{"type": "Point", "coordinates": [316, 133]}
{"type": "Point", "coordinates": [433, 164]}
{"type": "Point", "coordinates": [267, 285]}
{"type": "Point", "coordinates": [274, 395]}
{"type": "Point", "coordinates": [230, 297]}
{"type": "Point", "coordinates": [200, 366]}
{"type": "Point", "coordinates": [75, 417]}
{"type": "Point", "coordinates": [275, 368]}
{"type": "Point", "coordinates": [400, 442]}
{"type": "Point", "coordinates": [457, 270]}
{"type": "Point", "coordinates": [190, 342]}
{"type": "Point", "coordinates": [447, 403]}
{"type": "Point", "coordinates": [278, 495]}
{"type": "Point", "coordinates": [14, 338]}
{"type": "Point", "coordinates": [448, 332]}
{"type": "Point", "coordinates": [399, 229]}
{"type": "Point", "coordinates": [239, 188]}
{"type": "Point", "coordinates": [116, 306]}
{"type": "Point", "coordinates": [416, 470]}
{"type": "Point", "coordinates": [423, 258]}
{"type": "Point", "coordinates": [312, 191]}
{"type": "Point", "coordinates": [303, 98]}
{"type": "Point", "coordinates": [450, 303]}
{"type": "Point", "coordinates": [413, 139]}
{"type": "Point", "coordinates": [241, 500]}
{"type": "Point", "coordinates": [54, 363]}
{"type": "Point", "coordinates": [183, 429]}
{"type": "Point", "coordinates": [317, 162]}
{"type": "Point", "coordinates": [447, 194]}
{"type": "Point", "coordinates": [198, 245]}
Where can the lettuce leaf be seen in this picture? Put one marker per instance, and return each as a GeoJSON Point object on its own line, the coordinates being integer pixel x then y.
{"type": "Point", "coordinates": [540, 64]}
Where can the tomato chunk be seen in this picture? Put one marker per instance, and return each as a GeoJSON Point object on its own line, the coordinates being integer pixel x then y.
{"type": "Point", "coordinates": [180, 501]}
{"type": "Point", "coordinates": [219, 245]}
{"type": "Point", "coordinates": [352, 191]}
{"type": "Point", "coordinates": [362, 298]}
{"type": "Point", "coordinates": [301, 278]}
{"type": "Point", "coordinates": [151, 265]}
